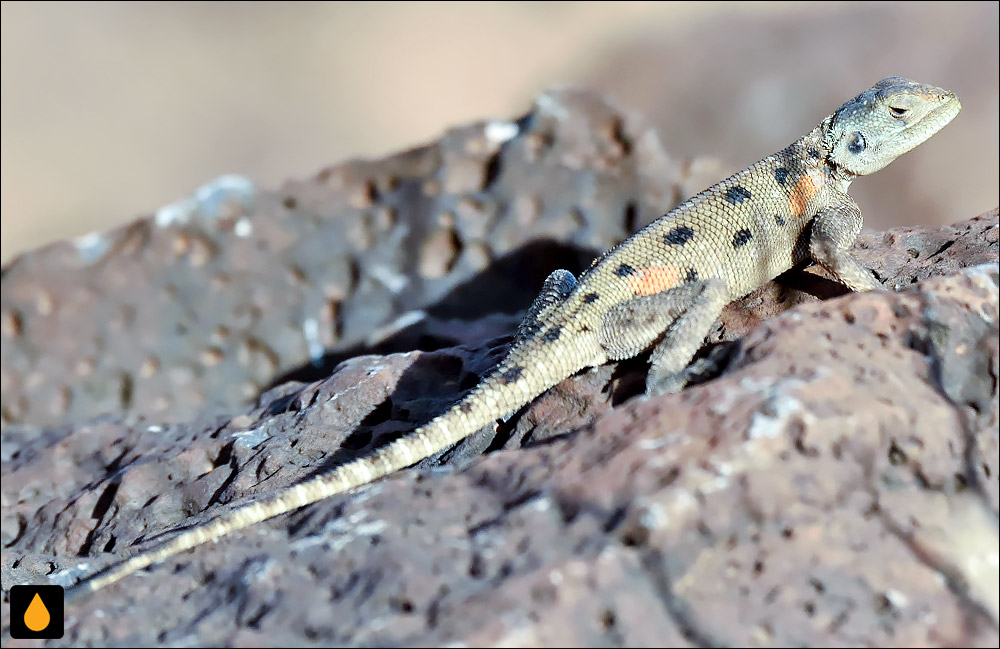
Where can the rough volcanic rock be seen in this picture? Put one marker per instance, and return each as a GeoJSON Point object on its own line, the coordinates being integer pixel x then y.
{"type": "Point", "coordinates": [216, 298]}
{"type": "Point", "coordinates": [832, 480]}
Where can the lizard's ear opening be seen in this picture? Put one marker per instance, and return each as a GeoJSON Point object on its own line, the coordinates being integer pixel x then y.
{"type": "Point", "coordinates": [856, 150]}
{"type": "Point", "coordinates": [857, 143]}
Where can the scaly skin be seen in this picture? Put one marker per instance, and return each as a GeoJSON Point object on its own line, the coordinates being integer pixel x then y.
{"type": "Point", "coordinates": [663, 288]}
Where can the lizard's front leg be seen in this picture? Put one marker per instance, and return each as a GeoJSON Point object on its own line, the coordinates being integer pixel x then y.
{"type": "Point", "coordinates": [834, 230]}
{"type": "Point", "coordinates": [676, 321]}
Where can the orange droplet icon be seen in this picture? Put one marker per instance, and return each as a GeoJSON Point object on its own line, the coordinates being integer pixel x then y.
{"type": "Point", "coordinates": [36, 617]}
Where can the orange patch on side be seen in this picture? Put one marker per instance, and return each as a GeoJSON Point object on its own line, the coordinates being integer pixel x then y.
{"type": "Point", "coordinates": [805, 189]}
{"type": "Point", "coordinates": [654, 279]}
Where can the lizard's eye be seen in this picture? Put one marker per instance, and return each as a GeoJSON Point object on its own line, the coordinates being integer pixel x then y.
{"type": "Point", "coordinates": [857, 143]}
{"type": "Point", "coordinates": [898, 112]}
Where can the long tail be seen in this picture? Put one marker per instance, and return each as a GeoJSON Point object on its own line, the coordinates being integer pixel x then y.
{"type": "Point", "coordinates": [490, 400]}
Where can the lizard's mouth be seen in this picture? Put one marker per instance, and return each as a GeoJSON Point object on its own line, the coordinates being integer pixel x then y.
{"type": "Point", "coordinates": [937, 118]}
{"type": "Point", "coordinates": [946, 110]}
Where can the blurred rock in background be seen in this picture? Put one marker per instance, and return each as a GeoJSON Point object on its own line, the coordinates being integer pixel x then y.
{"type": "Point", "coordinates": [110, 111]}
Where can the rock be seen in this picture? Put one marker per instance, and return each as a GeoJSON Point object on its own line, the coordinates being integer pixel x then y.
{"type": "Point", "coordinates": [237, 289]}
{"type": "Point", "coordinates": [834, 484]}
{"type": "Point", "coordinates": [829, 478]}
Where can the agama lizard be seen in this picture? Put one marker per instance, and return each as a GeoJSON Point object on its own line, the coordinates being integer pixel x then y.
{"type": "Point", "coordinates": [662, 289]}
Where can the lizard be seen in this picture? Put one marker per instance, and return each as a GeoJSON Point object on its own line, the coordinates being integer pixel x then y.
{"type": "Point", "coordinates": [661, 289]}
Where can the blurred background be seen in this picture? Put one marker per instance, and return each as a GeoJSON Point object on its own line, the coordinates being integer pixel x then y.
{"type": "Point", "coordinates": [111, 110]}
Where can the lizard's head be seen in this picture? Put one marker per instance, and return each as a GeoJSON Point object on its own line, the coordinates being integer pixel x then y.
{"type": "Point", "coordinates": [886, 121]}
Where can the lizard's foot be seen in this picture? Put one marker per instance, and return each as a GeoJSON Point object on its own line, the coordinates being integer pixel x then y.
{"type": "Point", "coordinates": [660, 384]}
{"type": "Point", "coordinates": [700, 370]}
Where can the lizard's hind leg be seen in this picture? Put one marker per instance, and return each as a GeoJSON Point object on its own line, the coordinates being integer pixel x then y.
{"type": "Point", "coordinates": [557, 286]}
{"type": "Point", "coordinates": [675, 321]}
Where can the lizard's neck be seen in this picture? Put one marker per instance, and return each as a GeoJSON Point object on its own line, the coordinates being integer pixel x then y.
{"type": "Point", "coordinates": [818, 140]}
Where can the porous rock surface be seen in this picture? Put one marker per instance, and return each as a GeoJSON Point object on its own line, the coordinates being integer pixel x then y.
{"type": "Point", "coordinates": [215, 298]}
{"type": "Point", "coordinates": [830, 480]}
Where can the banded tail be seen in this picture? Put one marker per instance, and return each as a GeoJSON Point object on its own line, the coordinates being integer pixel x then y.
{"type": "Point", "coordinates": [493, 398]}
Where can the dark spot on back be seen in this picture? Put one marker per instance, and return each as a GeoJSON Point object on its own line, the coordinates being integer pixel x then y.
{"type": "Point", "coordinates": [531, 329]}
{"type": "Point", "coordinates": [679, 235]}
{"type": "Point", "coordinates": [624, 270]}
{"type": "Point", "coordinates": [742, 238]}
{"type": "Point", "coordinates": [813, 153]}
{"type": "Point", "coordinates": [511, 375]}
{"type": "Point", "coordinates": [737, 194]}
{"type": "Point", "coordinates": [591, 297]}
{"type": "Point", "coordinates": [585, 328]}
{"type": "Point", "coordinates": [781, 175]}
{"type": "Point", "coordinates": [465, 407]}
{"type": "Point", "coordinates": [552, 334]}
{"type": "Point", "coordinates": [778, 219]}
{"type": "Point", "coordinates": [692, 275]}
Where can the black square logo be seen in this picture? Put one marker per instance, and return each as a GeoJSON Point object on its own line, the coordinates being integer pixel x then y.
{"type": "Point", "coordinates": [36, 612]}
